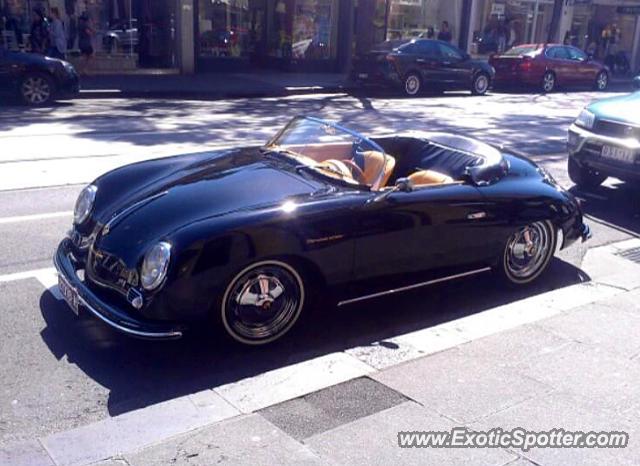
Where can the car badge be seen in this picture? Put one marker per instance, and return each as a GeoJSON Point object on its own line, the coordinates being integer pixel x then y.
{"type": "Point", "coordinates": [106, 230]}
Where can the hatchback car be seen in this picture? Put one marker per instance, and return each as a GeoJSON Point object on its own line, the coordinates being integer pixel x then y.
{"type": "Point", "coordinates": [423, 64]}
{"type": "Point", "coordinates": [548, 66]}
{"type": "Point", "coordinates": [35, 79]}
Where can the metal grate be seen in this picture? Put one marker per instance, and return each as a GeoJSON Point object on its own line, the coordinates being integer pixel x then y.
{"type": "Point", "coordinates": [633, 254]}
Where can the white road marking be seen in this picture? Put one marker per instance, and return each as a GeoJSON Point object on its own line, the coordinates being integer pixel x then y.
{"type": "Point", "coordinates": [34, 217]}
{"type": "Point", "coordinates": [49, 279]}
{"type": "Point", "coordinates": [12, 277]}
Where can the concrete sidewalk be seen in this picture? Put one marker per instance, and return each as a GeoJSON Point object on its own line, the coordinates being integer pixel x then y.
{"type": "Point", "coordinates": [212, 85]}
{"type": "Point", "coordinates": [565, 359]}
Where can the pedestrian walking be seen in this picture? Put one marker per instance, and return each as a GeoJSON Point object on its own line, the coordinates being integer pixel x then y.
{"type": "Point", "coordinates": [85, 41]}
{"type": "Point", "coordinates": [39, 32]}
{"type": "Point", "coordinates": [57, 37]}
{"type": "Point", "coordinates": [445, 33]}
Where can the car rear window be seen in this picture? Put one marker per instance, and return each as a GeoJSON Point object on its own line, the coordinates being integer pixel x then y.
{"type": "Point", "coordinates": [522, 50]}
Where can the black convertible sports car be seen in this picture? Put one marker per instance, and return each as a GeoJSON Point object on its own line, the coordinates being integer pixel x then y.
{"type": "Point", "coordinates": [245, 239]}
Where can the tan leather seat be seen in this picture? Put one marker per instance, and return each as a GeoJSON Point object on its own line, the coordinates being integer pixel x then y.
{"type": "Point", "coordinates": [373, 161]}
{"type": "Point", "coordinates": [429, 177]}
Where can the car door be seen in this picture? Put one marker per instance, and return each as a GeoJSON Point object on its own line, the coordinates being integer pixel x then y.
{"type": "Point", "coordinates": [584, 70]}
{"type": "Point", "coordinates": [410, 237]}
{"type": "Point", "coordinates": [559, 62]}
{"type": "Point", "coordinates": [427, 60]}
{"type": "Point", "coordinates": [454, 66]}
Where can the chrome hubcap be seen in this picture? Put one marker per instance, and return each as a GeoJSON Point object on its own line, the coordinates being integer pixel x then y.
{"type": "Point", "coordinates": [602, 81]}
{"type": "Point", "coordinates": [528, 251]}
{"type": "Point", "coordinates": [481, 84]}
{"type": "Point", "coordinates": [412, 85]}
{"type": "Point", "coordinates": [549, 82]}
{"type": "Point", "coordinates": [263, 303]}
{"type": "Point", "coordinates": [36, 90]}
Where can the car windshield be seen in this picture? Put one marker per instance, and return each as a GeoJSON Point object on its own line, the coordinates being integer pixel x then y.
{"type": "Point", "coordinates": [333, 151]}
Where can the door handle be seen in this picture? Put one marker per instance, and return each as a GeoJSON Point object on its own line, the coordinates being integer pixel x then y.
{"type": "Point", "coordinates": [446, 62]}
{"type": "Point", "coordinates": [420, 60]}
{"type": "Point", "coordinates": [477, 215]}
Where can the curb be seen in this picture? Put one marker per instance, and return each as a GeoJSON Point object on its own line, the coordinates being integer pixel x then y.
{"type": "Point", "coordinates": [136, 430]}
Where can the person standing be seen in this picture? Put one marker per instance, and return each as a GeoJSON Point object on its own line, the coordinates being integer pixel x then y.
{"type": "Point", "coordinates": [445, 33]}
{"type": "Point", "coordinates": [39, 32]}
{"type": "Point", "coordinates": [85, 41]}
{"type": "Point", "coordinates": [56, 35]}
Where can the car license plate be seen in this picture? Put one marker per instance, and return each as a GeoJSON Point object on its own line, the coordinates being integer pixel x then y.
{"type": "Point", "coordinates": [618, 153]}
{"type": "Point", "coordinates": [363, 75]}
{"type": "Point", "coordinates": [69, 294]}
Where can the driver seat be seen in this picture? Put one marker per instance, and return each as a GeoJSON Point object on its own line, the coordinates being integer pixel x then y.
{"type": "Point", "coordinates": [373, 164]}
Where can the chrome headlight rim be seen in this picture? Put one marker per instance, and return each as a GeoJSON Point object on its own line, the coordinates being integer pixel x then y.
{"type": "Point", "coordinates": [153, 274]}
{"type": "Point", "coordinates": [586, 119]}
{"type": "Point", "coordinates": [84, 204]}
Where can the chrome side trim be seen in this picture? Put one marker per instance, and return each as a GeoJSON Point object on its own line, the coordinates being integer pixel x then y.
{"type": "Point", "coordinates": [414, 286]}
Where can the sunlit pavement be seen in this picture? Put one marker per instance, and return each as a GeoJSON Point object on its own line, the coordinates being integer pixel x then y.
{"type": "Point", "coordinates": [61, 373]}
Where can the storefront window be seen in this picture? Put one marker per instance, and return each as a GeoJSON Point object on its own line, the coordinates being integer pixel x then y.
{"type": "Point", "coordinates": [225, 28]}
{"type": "Point", "coordinates": [431, 19]}
{"type": "Point", "coordinates": [370, 24]}
{"type": "Point", "coordinates": [116, 34]}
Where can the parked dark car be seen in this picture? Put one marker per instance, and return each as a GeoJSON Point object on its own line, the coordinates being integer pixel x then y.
{"type": "Point", "coordinates": [37, 80]}
{"type": "Point", "coordinates": [605, 141]}
{"type": "Point", "coordinates": [423, 64]}
{"type": "Point", "coordinates": [548, 66]}
{"type": "Point", "coordinates": [247, 239]}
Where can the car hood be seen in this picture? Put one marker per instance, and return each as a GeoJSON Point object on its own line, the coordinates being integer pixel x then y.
{"type": "Point", "coordinates": [623, 108]}
{"type": "Point", "coordinates": [234, 181]}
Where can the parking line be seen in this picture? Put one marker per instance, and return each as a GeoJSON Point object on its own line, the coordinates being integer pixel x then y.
{"type": "Point", "coordinates": [35, 217]}
{"type": "Point", "coordinates": [38, 274]}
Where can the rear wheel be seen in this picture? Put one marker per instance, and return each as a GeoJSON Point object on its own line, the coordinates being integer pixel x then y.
{"type": "Point", "coordinates": [548, 82]}
{"type": "Point", "coordinates": [480, 84]}
{"type": "Point", "coordinates": [602, 81]}
{"type": "Point", "coordinates": [412, 84]}
{"type": "Point", "coordinates": [583, 176]}
{"type": "Point", "coordinates": [36, 89]}
{"type": "Point", "coordinates": [527, 253]}
{"type": "Point", "coordinates": [262, 302]}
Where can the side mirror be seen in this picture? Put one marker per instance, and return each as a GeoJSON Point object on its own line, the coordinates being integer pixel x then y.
{"type": "Point", "coordinates": [404, 185]}
{"type": "Point", "coordinates": [636, 82]}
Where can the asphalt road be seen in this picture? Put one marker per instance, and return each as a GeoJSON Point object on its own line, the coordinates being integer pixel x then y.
{"type": "Point", "coordinates": [60, 372]}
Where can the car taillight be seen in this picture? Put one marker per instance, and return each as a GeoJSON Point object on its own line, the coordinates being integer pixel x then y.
{"type": "Point", "coordinates": [391, 58]}
{"type": "Point", "coordinates": [525, 65]}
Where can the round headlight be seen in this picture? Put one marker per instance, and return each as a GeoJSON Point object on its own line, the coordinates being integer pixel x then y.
{"type": "Point", "coordinates": [84, 204]}
{"type": "Point", "coordinates": [154, 266]}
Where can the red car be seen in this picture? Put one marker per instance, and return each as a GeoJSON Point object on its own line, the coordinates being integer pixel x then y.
{"type": "Point", "coordinates": [547, 66]}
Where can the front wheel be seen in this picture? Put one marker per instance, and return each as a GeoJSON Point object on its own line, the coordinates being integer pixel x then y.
{"type": "Point", "coordinates": [480, 84]}
{"type": "Point", "coordinates": [584, 177]}
{"type": "Point", "coordinates": [412, 84]}
{"type": "Point", "coordinates": [527, 253]}
{"type": "Point", "coordinates": [548, 82]}
{"type": "Point", "coordinates": [36, 89]}
{"type": "Point", "coordinates": [602, 81]}
{"type": "Point", "coordinates": [262, 302]}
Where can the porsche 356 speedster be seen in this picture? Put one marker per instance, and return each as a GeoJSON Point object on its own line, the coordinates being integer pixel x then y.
{"type": "Point", "coordinates": [245, 238]}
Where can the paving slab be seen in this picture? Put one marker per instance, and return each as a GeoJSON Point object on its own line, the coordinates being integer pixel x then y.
{"type": "Point", "coordinates": [248, 440]}
{"type": "Point", "coordinates": [566, 411]}
{"type": "Point", "coordinates": [511, 347]}
{"type": "Point", "coordinates": [590, 372]}
{"type": "Point", "coordinates": [286, 383]}
{"type": "Point", "coordinates": [614, 329]}
{"type": "Point", "coordinates": [332, 407]}
{"type": "Point", "coordinates": [460, 386]}
{"type": "Point", "coordinates": [134, 430]}
{"type": "Point", "coordinates": [25, 454]}
{"type": "Point", "coordinates": [373, 440]}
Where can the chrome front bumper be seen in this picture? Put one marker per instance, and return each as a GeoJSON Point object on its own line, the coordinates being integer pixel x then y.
{"type": "Point", "coordinates": [115, 318]}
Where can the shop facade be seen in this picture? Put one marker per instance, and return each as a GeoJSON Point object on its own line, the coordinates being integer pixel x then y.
{"type": "Point", "coordinates": [123, 33]}
{"type": "Point", "coordinates": [607, 29]}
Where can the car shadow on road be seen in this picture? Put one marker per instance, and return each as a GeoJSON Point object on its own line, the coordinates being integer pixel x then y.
{"type": "Point", "coordinates": [140, 373]}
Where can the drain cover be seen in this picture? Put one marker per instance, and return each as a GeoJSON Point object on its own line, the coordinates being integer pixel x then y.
{"type": "Point", "coordinates": [633, 254]}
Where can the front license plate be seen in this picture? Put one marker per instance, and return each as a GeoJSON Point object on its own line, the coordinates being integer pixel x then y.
{"type": "Point", "coordinates": [618, 153]}
{"type": "Point", "coordinates": [69, 294]}
{"type": "Point", "coordinates": [363, 75]}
